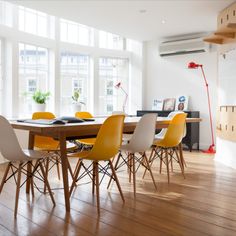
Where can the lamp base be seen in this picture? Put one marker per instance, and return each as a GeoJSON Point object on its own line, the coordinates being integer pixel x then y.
{"type": "Point", "coordinates": [210, 150]}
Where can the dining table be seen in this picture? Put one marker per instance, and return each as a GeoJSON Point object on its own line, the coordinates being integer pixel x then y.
{"type": "Point", "coordinates": [63, 132]}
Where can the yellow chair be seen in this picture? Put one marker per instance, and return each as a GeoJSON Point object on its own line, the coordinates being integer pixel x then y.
{"type": "Point", "coordinates": [166, 147]}
{"type": "Point", "coordinates": [85, 141]}
{"type": "Point", "coordinates": [49, 144]}
{"type": "Point", "coordinates": [106, 146]}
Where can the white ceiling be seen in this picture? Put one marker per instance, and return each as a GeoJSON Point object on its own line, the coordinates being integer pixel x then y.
{"type": "Point", "coordinates": [123, 17]}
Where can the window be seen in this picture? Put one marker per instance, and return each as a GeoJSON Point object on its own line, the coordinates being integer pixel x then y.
{"type": "Point", "coordinates": [33, 74]}
{"type": "Point", "coordinates": [112, 71]}
{"type": "Point", "coordinates": [36, 22]}
{"type": "Point", "coordinates": [6, 13]}
{"type": "Point", "coordinates": [74, 76]}
{"type": "Point", "coordinates": [73, 32]}
{"type": "Point", "coordinates": [110, 41]}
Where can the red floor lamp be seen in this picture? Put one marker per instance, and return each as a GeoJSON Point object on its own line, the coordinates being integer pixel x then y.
{"type": "Point", "coordinates": [211, 149]}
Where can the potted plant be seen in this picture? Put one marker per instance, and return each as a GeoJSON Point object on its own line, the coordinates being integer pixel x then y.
{"type": "Point", "coordinates": [40, 98]}
{"type": "Point", "coordinates": [77, 104]}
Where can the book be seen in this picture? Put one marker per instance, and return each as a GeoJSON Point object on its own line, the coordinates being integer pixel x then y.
{"type": "Point", "coordinates": [157, 104]}
{"type": "Point", "coordinates": [181, 103]}
{"type": "Point", "coordinates": [169, 104]}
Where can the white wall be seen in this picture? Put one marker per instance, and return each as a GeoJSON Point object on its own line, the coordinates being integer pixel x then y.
{"type": "Point", "coordinates": [226, 89]}
{"type": "Point", "coordinates": [168, 77]}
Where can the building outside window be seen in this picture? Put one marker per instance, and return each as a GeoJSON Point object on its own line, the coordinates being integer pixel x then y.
{"type": "Point", "coordinates": [110, 41]}
{"type": "Point", "coordinates": [74, 76]}
{"type": "Point", "coordinates": [33, 74]}
{"type": "Point", "coordinates": [112, 71]}
{"type": "Point", "coordinates": [36, 22]}
{"type": "Point", "coordinates": [73, 32]}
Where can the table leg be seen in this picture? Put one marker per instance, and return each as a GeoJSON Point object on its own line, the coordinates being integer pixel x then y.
{"type": "Point", "coordinates": [64, 166]}
{"type": "Point", "coordinates": [29, 167]}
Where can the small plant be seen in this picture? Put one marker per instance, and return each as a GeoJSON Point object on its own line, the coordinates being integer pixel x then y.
{"type": "Point", "coordinates": [40, 97]}
{"type": "Point", "coordinates": [76, 96]}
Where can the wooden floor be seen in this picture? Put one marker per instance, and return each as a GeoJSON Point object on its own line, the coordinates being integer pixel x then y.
{"type": "Point", "coordinates": [202, 204]}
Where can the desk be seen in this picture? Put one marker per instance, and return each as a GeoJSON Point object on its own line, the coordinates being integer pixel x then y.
{"type": "Point", "coordinates": [61, 132]}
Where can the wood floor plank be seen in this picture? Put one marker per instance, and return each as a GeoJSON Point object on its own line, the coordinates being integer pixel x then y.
{"type": "Point", "coordinates": [201, 204]}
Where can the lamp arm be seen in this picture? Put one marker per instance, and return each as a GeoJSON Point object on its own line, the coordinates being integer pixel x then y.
{"type": "Point", "coordinates": [126, 98]}
{"type": "Point", "coordinates": [209, 106]}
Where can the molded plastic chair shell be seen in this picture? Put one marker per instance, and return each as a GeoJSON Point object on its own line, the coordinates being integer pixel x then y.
{"type": "Point", "coordinates": [9, 145]}
{"type": "Point", "coordinates": [174, 133]}
{"type": "Point", "coordinates": [108, 140]}
{"type": "Point", "coordinates": [83, 114]}
{"type": "Point", "coordinates": [42, 142]}
{"type": "Point", "coordinates": [143, 135]}
{"type": "Point", "coordinates": [161, 134]}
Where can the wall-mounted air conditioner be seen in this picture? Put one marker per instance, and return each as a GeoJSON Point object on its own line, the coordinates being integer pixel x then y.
{"type": "Point", "coordinates": [183, 46]}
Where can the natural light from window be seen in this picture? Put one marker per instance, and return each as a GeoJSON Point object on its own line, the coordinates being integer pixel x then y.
{"type": "Point", "coordinates": [112, 71]}
{"type": "Point", "coordinates": [73, 32]}
{"type": "Point", "coordinates": [36, 22]}
{"type": "Point", "coordinates": [74, 76]}
{"type": "Point", "coordinates": [33, 74]}
{"type": "Point", "coordinates": [110, 41]}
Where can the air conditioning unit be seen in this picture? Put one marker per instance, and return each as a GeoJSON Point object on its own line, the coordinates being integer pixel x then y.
{"type": "Point", "coordinates": [183, 46]}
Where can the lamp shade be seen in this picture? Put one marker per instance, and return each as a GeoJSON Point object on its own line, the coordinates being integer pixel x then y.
{"type": "Point", "coordinates": [193, 65]}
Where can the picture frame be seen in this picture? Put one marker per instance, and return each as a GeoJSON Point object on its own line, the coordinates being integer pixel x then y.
{"type": "Point", "coordinates": [157, 105]}
{"type": "Point", "coordinates": [182, 103]}
{"type": "Point", "coordinates": [169, 104]}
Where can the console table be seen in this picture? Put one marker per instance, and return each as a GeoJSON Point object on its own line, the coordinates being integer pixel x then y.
{"type": "Point", "coordinates": [192, 135]}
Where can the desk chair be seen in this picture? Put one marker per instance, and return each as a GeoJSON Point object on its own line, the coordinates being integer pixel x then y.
{"type": "Point", "coordinates": [18, 161]}
{"type": "Point", "coordinates": [169, 144]}
{"type": "Point", "coordinates": [50, 145]}
{"type": "Point", "coordinates": [139, 143]}
{"type": "Point", "coordinates": [106, 146]}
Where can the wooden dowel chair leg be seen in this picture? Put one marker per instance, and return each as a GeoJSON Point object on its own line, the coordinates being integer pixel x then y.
{"type": "Point", "coordinates": [46, 183]}
{"type": "Point", "coordinates": [46, 171]}
{"type": "Point", "coordinates": [116, 180]}
{"type": "Point", "coordinates": [167, 165]}
{"type": "Point", "coordinates": [97, 187]}
{"type": "Point", "coordinates": [76, 174]}
{"type": "Point", "coordinates": [5, 176]}
{"type": "Point", "coordinates": [134, 173]}
{"type": "Point", "coordinates": [117, 162]}
{"type": "Point", "coordinates": [58, 168]}
{"type": "Point", "coordinates": [180, 163]}
{"type": "Point", "coordinates": [149, 168]}
{"type": "Point", "coordinates": [17, 189]}
{"type": "Point", "coordinates": [150, 160]}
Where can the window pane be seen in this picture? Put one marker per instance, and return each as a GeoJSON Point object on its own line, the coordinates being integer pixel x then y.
{"type": "Point", "coordinates": [76, 33]}
{"type": "Point", "coordinates": [33, 75]}
{"type": "Point", "coordinates": [111, 72]}
{"type": "Point", "coordinates": [74, 76]}
{"type": "Point", "coordinates": [6, 9]}
{"type": "Point", "coordinates": [110, 41]}
{"type": "Point", "coordinates": [35, 22]}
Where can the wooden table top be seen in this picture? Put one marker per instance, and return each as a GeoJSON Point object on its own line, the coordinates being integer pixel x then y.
{"type": "Point", "coordinates": [87, 128]}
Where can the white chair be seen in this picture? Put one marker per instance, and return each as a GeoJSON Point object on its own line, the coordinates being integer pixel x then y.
{"type": "Point", "coordinates": [11, 150]}
{"type": "Point", "coordinates": [140, 142]}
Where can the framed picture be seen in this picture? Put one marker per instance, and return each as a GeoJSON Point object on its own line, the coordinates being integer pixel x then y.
{"type": "Point", "coordinates": [157, 104]}
{"type": "Point", "coordinates": [169, 104]}
{"type": "Point", "coordinates": [181, 103]}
